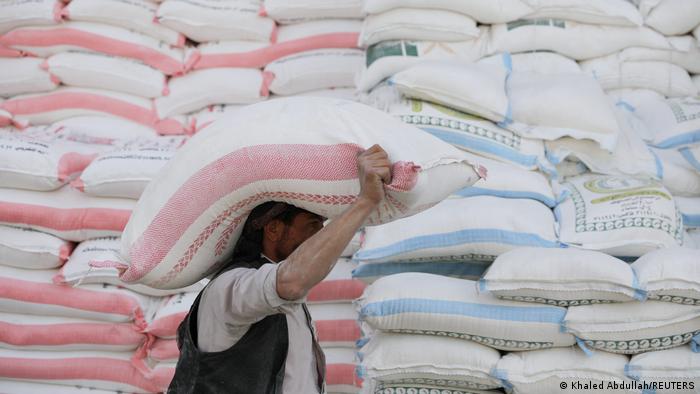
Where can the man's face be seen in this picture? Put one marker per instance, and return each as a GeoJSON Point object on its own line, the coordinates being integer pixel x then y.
{"type": "Point", "coordinates": [303, 226]}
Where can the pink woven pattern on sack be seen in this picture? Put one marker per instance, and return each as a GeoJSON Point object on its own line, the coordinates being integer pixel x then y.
{"type": "Point", "coordinates": [225, 175]}
{"type": "Point", "coordinates": [233, 171]}
{"type": "Point", "coordinates": [247, 205]}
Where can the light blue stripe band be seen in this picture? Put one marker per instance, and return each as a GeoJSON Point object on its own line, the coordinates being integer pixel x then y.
{"type": "Point", "coordinates": [583, 347]}
{"type": "Point", "coordinates": [659, 165]}
{"type": "Point", "coordinates": [455, 238]}
{"type": "Point", "coordinates": [479, 191]}
{"type": "Point", "coordinates": [639, 293]}
{"type": "Point", "coordinates": [445, 268]}
{"type": "Point", "coordinates": [502, 376]}
{"type": "Point", "coordinates": [691, 220]}
{"type": "Point", "coordinates": [695, 344]}
{"type": "Point", "coordinates": [533, 314]}
{"type": "Point", "coordinates": [688, 155]}
{"type": "Point", "coordinates": [680, 140]}
{"type": "Point", "coordinates": [481, 145]}
{"type": "Point", "coordinates": [631, 371]}
{"type": "Point", "coordinates": [483, 286]}
{"type": "Point", "coordinates": [508, 64]}
{"type": "Point", "coordinates": [623, 104]}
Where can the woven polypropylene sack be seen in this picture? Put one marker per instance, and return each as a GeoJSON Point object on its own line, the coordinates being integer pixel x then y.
{"type": "Point", "coordinates": [302, 151]}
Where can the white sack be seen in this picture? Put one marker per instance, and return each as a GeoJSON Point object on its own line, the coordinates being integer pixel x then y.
{"type": "Point", "coordinates": [671, 17]}
{"type": "Point", "coordinates": [623, 216]}
{"type": "Point", "coordinates": [670, 275]}
{"type": "Point", "coordinates": [563, 277]}
{"type": "Point", "coordinates": [484, 11]}
{"type": "Point", "coordinates": [30, 249]}
{"type": "Point", "coordinates": [675, 369]}
{"type": "Point", "coordinates": [296, 11]}
{"type": "Point", "coordinates": [24, 75]}
{"type": "Point", "coordinates": [414, 303]}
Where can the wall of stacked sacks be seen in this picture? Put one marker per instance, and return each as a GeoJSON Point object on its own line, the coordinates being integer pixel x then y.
{"type": "Point", "coordinates": [575, 260]}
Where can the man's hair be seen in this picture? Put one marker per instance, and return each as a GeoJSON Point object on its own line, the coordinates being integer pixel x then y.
{"type": "Point", "coordinates": [249, 245]}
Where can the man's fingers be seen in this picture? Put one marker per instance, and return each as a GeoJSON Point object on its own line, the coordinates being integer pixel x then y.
{"type": "Point", "coordinates": [384, 173]}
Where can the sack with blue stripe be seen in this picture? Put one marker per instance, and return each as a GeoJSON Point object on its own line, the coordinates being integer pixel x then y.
{"type": "Point", "coordinates": [457, 237]}
{"type": "Point", "coordinates": [507, 181]}
{"type": "Point", "coordinates": [547, 371]}
{"type": "Point", "coordinates": [411, 362]}
{"type": "Point", "coordinates": [416, 303]}
{"type": "Point", "coordinates": [471, 133]}
{"type": "Point", "coordinates": [690, 210]}
{"type": "Point", "coordinates": [670, 275]}
{"type": "Point", "coordinates": [677, 174]}
{"type": "Point", "coordinates": [675, 122]}
{"type": "Point", "coordinates": [675, 370]}
{"type": "Point", "coordinates": [563, 277]}
{"type": "Point", "coordinates": [633, 327]}
{"type": "Point", "coordinates": [622, 216]}
{"type": "Point", "coordinates": [692, 154]}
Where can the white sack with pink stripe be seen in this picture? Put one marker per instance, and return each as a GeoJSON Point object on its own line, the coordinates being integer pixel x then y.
{"type": "Point", "coordinates": [302, 151]}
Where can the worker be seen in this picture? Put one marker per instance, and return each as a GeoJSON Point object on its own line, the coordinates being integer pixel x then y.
{"type": "Point", "coordinates": [249, 331]}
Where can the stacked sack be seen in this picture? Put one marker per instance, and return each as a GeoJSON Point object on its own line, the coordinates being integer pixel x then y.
{"type": "Point", "coordinates": [272, 48]}
{"type": "Point", "coordinates": [66, 198]}
{"type": "Point", "coordinates": [585, 115]}
{"type": "Point", "coordinates": [336, 324]}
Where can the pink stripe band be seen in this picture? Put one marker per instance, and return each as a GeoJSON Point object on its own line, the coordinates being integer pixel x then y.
{"type": "Point", "coordinates": [64, 219]}
{"type": "Point", "coordinates": [92, 41]}
{"type": "Point", "coordinates": [166, 327]}
{"type": "Point", "coordinates": [338, 330]}
{"type": "Point", "coordinates": [70, 297]}
{"type": "Point", "coordinates": [336, 290]}
{"type": "Point", "coordinates": [88, 101]}
{"type": "Point", "coordinates": [70, 333]}
{"type": "Point", "coordinates": [83, 368]}
{"type": "Point", "coordinates": [342, 374]}
{"type": "Point", "coordinates": [261, 57]}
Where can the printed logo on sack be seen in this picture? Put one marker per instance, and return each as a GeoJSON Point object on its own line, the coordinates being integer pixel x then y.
{"type": "Point", "coordinates": [623, 188]}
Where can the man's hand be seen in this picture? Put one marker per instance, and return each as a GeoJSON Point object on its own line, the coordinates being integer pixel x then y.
{"type": "Point", "coordinates": [374, 170]}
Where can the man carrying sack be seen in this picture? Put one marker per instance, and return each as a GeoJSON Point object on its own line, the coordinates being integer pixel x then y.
{"type": "Point", "coordinates": [249, 331]}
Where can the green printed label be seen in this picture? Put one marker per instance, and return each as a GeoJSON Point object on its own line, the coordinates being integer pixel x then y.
{"type": "Point", "coordinates": [536, 22]}
{"type": "Point", "coordinates": [390, 48]}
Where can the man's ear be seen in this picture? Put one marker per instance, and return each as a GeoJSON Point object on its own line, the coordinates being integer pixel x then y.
{"type": "Point", "coordinates": [273, 230]}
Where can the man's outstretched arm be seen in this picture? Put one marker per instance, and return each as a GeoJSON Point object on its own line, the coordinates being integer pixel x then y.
{"type": "Point", "coordinates": [314, 259]}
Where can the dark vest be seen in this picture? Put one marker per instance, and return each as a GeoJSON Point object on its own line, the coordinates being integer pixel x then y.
{"type": "Point", "coordinates": [254, 364]}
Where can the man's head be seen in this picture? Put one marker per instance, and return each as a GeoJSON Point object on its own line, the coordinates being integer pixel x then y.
{"type": "Point", "coordinates": [280, 228]}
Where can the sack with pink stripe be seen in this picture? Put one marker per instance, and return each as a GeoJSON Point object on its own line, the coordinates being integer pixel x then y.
{"type": "Point", "coordinates": [65, 213]}
{"type": "Point", "coordinates": [338, 286]}
{"type": "Point", "coordinates": [33, 292]}
{"type": "Point", "coordinates": [291, 39]}
{"type": "Point", "coordinates": [164, 350]}
{"type": "Point", "coordinates": [30, 249]}
{"type": "Point", "coordinates": [24, 75]}
{"type": "Point", "coordinates": [170, 313]}
{"type": "Point", "coordinates": [341, 377]}
{"type": "Point", "coordinates": [302, 151]}
{"type": "Point", "coordinates": [214, 20]}
{"type": "Point", "coordinates": [295, 11]}
{"type": "Point", "coordinates": [24, 13]}
{"type": "Point", "coordinates": [39, 159]}
{"type": "Point", "coordinates": [336, 324]}
{"type": "Point", "coordinates": [63, 103]}
{"type": "Point", "coordinates": [77, 270]}
{"type": "Point", "coordinates": [27, 332]}
{"type": "Point", "coordinates": [136, 15]}
{"type": "Point", "coordinates": [99, 369]}
{"type": "Point", "coordinates": [198, 89]}
{"type": "Point", "coordinates": [44, 41]}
